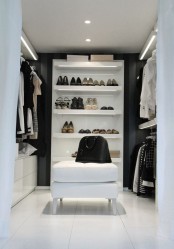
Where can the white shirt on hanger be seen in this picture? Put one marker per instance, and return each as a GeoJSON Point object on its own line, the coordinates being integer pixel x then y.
{"type": "Point", "coordinates": [148, 93]}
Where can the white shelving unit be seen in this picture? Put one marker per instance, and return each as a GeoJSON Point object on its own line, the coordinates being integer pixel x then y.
{"type": "Point", "coordinates": [64, 144]}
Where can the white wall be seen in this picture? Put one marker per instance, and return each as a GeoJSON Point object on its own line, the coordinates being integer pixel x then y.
{"type": "Point", "coordinates": [165, 117]}
{"type": "Point", "coordinates": [10, 32]}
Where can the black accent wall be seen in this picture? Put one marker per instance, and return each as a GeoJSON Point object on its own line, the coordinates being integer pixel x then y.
{"type": "Point", "coordinates": [131, 120]}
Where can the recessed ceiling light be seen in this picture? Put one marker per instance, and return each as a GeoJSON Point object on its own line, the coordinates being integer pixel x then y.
{"type": "Point", "coordinates": [88, 40]}
{"type": "Point", "coordinates": [87, 21]}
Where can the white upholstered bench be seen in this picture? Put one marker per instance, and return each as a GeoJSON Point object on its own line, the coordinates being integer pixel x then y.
{"type": "Point", "coordinates": [84, 180]}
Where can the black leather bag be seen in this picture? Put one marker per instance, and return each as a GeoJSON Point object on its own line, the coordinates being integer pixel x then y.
{"type": "Point", "coordinates": [93, 149]}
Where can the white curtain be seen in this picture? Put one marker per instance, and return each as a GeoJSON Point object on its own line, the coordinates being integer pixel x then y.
{"type": "Point", "coordinates": [165, 117]}
{"type": "Point", "coordinates": [10, 32]}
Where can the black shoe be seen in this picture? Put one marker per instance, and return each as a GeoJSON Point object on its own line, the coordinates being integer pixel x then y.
{"type": "Point", "coordinates": [88, 131]}
{"type": "Point", "coordinates": [59, 80]}
{"type": "Point", "coordinates": [103, 108]}
{"type": "Point", "coordinates": [110, 108]}
{"type": "Point", "coordinates": [74, 103]}
{"type": "Point", "coordinates": [65, 81]}
{"type": "Point", "coordinates": [78, 82]}
{"type": "Point", "coordinates": [80, 104]}
{"type": "Point", "coordinates": [73, 81]}
{"type": "Point", "coordinates": [81, 131]}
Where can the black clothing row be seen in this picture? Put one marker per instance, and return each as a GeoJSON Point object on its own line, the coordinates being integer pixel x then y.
{"type": "Point", "coordinates": [143, 167]}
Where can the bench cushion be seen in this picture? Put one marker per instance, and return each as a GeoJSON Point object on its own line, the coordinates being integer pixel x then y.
{"type": "Point", "coordinates": [70, 171]}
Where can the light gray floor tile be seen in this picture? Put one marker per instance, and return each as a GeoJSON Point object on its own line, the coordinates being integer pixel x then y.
{"type": "Point", "coordinates": [85, 223]}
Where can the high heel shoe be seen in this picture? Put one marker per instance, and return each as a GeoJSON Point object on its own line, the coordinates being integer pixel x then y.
{"type": "Point", "coordinates": [65, 127]}
{"type": "Point", "coordinates": [59, 80]}
{"type": "Point", "coordinates": [73, 81]}
{"type": "Point", "coordinates": [65, 81]}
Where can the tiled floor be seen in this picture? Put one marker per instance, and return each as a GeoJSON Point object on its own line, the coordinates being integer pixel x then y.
{"type": "Point", "coordinates": [84, 224]}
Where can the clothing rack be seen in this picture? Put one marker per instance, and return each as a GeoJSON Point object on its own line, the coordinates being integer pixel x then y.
{"type": "Point", "coordinates": [27, 112]}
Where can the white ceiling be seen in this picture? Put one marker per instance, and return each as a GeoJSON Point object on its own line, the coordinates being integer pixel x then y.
{"type": "Point", "coordinates": [116, 25]}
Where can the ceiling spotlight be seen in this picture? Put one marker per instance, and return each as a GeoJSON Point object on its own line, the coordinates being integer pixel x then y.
{"type": "Point", "coordinates": [88, 40]}
{"type": "Point", "coordinates": [87, 21]}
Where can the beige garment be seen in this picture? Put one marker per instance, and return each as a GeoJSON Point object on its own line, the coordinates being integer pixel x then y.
{"type": "Point", "coordinates": [37, 91]}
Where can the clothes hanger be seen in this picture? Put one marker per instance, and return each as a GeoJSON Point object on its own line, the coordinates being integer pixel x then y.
{"type": "Point", "coordinates": [33, 68]}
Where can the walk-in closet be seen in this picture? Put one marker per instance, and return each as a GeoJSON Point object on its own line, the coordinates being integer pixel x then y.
{"type": "Point", "coordinates": [86, 124]}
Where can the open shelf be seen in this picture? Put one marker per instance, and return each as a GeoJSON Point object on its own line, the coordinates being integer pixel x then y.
{"type": "Point", "coordinates": [80, 135]}
{"type": "Point", "coordinates": [148, 125]}
{"type": "Point", "coordinates": [58, 159]}
{"type": "Point", "coordinates": [88, 89]}
{"type": "Point", "coordinates": [86, 112]}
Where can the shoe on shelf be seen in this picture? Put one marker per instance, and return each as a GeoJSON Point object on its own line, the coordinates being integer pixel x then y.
{"type": "Point", "coordinates": [74, 103]}
{"type": "Point", "coordinates": [80, 104]}
{"type": "Point", "coordinates": [74, 154]}
{"type": "Point", "coordinates": [109, 82]}
{"type": "Point", "coordinates": [90, 82]}
{"type": "Point", "coordinates": [102, 131]}
{"type": "Point", "coordinates": [89, 103]}
{"type": "Point", "coordinates": [94, 104]}
{"type": "Point", "coordinates": [110, 108]}
{"type": "Point", "coordinates": [65, 81]}
{"type": "Point", "coordinates": [58, 103]}
{"type": "Point", "coordinates": [65, 127]}
{"type": "Point", "coordinates": [102, 83]}
{"type": "Point", "coordinates": [59, 80]}
{"type": "Point", "coordinates": [70, 127]}
{"type": "Point", "coordinates": [103, 108]}
{"type": "Point", "coordinates": [81, 131]}
{"type": "Point", "coordinates": [73, 81]}
{"type": "Point", "coordinates": [96, 83]}
{"type": "Point", "coordinates": [109, 131]}
{"type": "Point", "coordinates": [85, 82]}
{"type": "Point", "coordinates": [88, 131]}
{"type": "Point", "coordinates": [114, 82]}
{"type": "Point", "coordinates": [65, 103]}
{"type": "Point", "coordinates": [96, 131]}
{"type": "Point", "coordinates": [78, 82]}
{"type": "Point", "coordinates": [115, 131]}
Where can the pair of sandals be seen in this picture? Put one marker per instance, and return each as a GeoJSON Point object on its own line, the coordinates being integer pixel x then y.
{"type": "Point", "coordinates": [62, 103]}
{"type": "Point", "coordinates": [106, 108]}
{"type": "Point", "coordinates": [102, 131]}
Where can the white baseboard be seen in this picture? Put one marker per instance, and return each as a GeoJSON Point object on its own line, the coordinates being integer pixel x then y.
{"type": "Point", "coordinates": [42, 188]}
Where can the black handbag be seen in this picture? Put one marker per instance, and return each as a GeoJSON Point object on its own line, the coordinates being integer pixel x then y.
{"type": "Point", "coordinates": [93, 149]}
